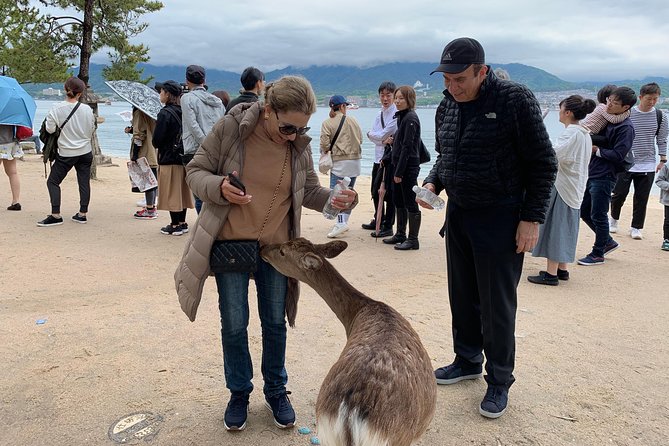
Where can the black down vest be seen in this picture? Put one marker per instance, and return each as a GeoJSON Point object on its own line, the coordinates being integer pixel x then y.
{"type": "Point", "coordinates": [503, 155]}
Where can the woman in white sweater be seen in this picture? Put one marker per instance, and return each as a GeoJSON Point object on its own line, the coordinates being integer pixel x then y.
{"type": "Point", "coordinates": [559, 234]}
{"type": "Point", "coordinates": [74, 150]}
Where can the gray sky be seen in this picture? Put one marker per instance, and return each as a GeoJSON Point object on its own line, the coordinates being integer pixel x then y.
{"type": "Point", "coordinates": [575, 40]}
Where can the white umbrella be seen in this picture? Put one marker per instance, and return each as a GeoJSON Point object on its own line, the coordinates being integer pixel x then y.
{"type": "Point", "coordinates": [141, 96]}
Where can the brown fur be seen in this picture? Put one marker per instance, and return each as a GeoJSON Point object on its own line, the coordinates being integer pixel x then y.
{"type": "Point", "coordinates": [384, 371]}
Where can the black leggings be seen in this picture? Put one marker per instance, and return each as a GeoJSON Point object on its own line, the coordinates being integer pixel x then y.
{"type": "Point", "coordinates": [666, 222]}
{"type": "Point", "coordinates": [59, 169]}
{"type": "Point", "coordinates": [151, 193]}
{"type": "Point", "coordinates": [178, 217]}
{"type": "Point", "coordinates": [403, 195]}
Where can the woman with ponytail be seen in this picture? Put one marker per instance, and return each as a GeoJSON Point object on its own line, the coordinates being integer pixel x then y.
{"type": "Point", "coordinates": [559, 234]}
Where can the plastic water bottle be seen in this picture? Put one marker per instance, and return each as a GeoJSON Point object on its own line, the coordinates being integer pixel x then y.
{"type": "Point", "coordinates": [329, 211]}
{"type": "Point", "coordinates": [429, 197]}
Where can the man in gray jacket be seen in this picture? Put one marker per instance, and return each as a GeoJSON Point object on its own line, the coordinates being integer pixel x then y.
{"type": "Point", "coordinates": [200, 111]}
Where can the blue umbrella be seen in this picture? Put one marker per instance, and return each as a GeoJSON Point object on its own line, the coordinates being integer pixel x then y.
{"type": "Point", "coordinates": [17, 107]}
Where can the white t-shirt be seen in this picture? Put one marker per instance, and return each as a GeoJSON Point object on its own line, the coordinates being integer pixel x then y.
{"type": "Point", "coordinates": [75, 137]}
{"type": "Point", "coordinates": [573, 150]}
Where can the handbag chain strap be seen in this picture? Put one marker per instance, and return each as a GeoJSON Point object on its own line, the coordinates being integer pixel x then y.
{"type": "Point", "coordinates": [276, 192]}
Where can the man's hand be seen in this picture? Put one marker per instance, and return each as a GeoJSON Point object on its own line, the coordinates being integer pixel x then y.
{"type": "Point", "coordinates": [526, 236]}
{"type": "Point", "coordinates": [659, 167]}
{"type": "Point", "coordinates": [421, 203]}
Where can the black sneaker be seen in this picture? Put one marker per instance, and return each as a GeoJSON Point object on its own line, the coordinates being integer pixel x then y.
{"type": "Point", "coordinates": [610, 246]}
{"type": "Point", "coordinates": [236, 412]}
{"type": "Point", "coordinates": [383, 232]}
{"type": "Point", "coordinates": [457, 371]}
{"type": "Point", "coordinates": [79, 218]}
{"type": "Point", "coordinates": [172, 230]}
{"type": "Point", "coordinates": [282, 410]}
{"type": "Point", "coordinates": [495, 401]}
{"type": "Point", "coordinates": [543, 278]}
{"type": "Point", "coordinates": [563, 274]}
{"type": "Point", "coordinates": [369, 226]}
{"type": "Point", "coordinates": [50, 220]}
{"type": "Point", "coordinates": [184, 227]}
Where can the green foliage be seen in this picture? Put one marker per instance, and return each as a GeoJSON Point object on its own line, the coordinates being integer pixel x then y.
{"type": "Point", "coordinates": [125, 62]}
{"type": "Point", "coordinates": [27, 53]}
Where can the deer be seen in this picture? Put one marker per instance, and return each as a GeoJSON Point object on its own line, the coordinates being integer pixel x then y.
{"type": "Point", "coordinates": [381, 390]}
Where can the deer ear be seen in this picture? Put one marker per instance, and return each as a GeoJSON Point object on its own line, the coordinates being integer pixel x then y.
{"type": "Point", "coordinates": [332, 249]}
{"type": "Point", "coordinates": [311, 262]}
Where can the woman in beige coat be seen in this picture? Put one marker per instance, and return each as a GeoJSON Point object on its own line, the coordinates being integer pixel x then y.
{"type": "Point", "coordinates": [265, 145]}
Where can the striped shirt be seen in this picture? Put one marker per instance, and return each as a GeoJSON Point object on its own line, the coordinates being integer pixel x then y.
{"type": "Point", "coordinates": [643, 148]}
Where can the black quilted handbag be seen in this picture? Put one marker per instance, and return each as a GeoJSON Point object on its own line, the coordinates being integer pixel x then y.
{"type": "Point", "coordinates": [234, 256]}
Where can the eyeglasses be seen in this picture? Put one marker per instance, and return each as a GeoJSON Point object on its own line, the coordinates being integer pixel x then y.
{"type": "Point", "coordinates": [290, 129]}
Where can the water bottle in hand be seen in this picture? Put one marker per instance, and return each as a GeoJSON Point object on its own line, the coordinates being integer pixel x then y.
{"type": "Point", "coordinates": [429, 197]}
{"type": "Point", "coordinates": [329, 211]}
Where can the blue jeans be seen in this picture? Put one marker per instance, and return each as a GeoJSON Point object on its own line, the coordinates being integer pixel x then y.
{"type": "Point", "coordinates": [198, 203]}
{"type": "Point", "coordinates": [594, 211]}
{"type": "Point", "coordinates": [234, 307]}
{"type": "Point", "coordinates": [333, 181]}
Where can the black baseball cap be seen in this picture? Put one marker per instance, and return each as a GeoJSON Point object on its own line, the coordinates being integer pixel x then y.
{"type": "Point", "coordinates": [195, 74]}
{"type": "Point", "coordinates": [459, 54]}
{"type": "Point", "coordinates": [172, 87]}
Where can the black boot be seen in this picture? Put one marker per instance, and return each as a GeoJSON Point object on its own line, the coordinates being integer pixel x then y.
{"type": "Point", "coordinates": [370, 226]}
{"type": "Point", "coordinates": [401, 233]}
{"type": "Point", "coordinates": [414, 229]}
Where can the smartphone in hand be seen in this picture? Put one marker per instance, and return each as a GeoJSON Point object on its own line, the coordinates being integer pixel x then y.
{"type": "Point", "coordinates": [235, 181]}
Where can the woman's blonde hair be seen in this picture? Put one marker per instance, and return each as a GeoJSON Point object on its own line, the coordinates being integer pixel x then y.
{"type": "Point", "coordinates": [291, 94]}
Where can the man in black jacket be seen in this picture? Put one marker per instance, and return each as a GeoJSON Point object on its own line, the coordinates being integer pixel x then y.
{"type": "Point", "coordinates": [497, 165]}
{"type": "Point", "coordinates": [253, 81]}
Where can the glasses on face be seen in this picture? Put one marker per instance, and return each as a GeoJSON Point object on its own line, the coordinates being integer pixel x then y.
{"type": "Point", "coordinates": [290, 129]}
{"type": "Point", "coordinates": [609, 100]}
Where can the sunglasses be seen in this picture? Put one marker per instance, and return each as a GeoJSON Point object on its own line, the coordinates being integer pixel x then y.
{"type": "Point", "coordinates": [290, 129]}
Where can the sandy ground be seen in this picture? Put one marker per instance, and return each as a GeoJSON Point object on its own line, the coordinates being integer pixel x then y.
{"type": "Point", "coordinates": [592, 354]}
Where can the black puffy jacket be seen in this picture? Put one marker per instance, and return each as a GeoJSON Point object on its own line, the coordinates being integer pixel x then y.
{"type": "Point", "coordinates": [167, 136]}
{"type": "Point", "coordinates": [503, 155]}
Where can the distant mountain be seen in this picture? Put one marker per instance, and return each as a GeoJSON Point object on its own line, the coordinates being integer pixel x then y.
{"type": "Point", "coordinates": [362, 82]}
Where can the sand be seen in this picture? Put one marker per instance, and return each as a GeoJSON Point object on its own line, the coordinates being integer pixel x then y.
{"type": "Point", "coordinates": [92, 332]}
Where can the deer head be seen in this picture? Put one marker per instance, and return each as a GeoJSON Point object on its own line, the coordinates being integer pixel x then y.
{"type": "Point", "coordinates": [299, 258]}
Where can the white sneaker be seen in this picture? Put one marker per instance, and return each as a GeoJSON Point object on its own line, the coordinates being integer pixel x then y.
{"type": "Point", "coordinates": [636, 234]}
{"type": "Point", "coordinates": [338, 229]}
{"type": "Point", "coordinates": [613, 225]}
{"type": "Point", "coordinates": [141, 203]}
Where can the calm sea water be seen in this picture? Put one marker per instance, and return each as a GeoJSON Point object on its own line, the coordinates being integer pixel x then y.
{"type": "Point", "coordinates": [114, 142]}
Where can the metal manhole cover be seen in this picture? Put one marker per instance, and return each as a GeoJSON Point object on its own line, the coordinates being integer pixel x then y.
{"type": "Point", "coordinates": [135, 427]}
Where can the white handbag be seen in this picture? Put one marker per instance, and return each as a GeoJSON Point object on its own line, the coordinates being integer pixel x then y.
{"type": "Point", "coordinates": [325, 163]}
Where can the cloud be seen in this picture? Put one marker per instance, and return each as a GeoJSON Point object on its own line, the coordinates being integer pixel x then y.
{"type": "Point", "coordinates": [576, 40]}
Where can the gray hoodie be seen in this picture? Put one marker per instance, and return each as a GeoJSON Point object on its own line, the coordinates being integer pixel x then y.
{"type": "Point", "coordinates": [200, 111]}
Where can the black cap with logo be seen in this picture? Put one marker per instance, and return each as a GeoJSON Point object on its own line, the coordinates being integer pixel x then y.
{"type": "Point", "coordinates": [459, 54]}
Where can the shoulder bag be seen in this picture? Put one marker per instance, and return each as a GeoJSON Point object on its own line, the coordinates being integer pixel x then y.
{"type": "Point", "coordinates": [241, 256]}
{"type": "Point", "coordinates": [325, 161]}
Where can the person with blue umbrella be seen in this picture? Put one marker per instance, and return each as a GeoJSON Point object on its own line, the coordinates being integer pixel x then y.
{"type": "Point", "coordinates": [17, 108]}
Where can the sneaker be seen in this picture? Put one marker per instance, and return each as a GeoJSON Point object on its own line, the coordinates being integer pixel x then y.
{"type": "Point", "coordinates": [383, 232]}
{"type": "Point", "coordinates": [14, 207]}
{"type": "Point", "coordinates": [665, 245]}
{"type": "Point", "coordinates": [282, 410]}
{"type": "Point", "coordinates": [337, 230]}
{"type": "Point", "coordinates": [636, 234]}
{"type": "Point", "coordinates": [543, 278]}
{"type": "Point", "coordinates": [146, 214]}
{"type": "Point", "coordinates": [50, 220]}
{"type": "Point", "coordinates": [563, 274]}
{"type": "Point", "coordinates": [369, 226]}
{"type": "Point", "coordinates": [236, 412]}
{"type": "Point", "coordinates": [184, 227]}
{"type": "Point", "coordinates": [78, 218]}
{"type": "Point", "coordinates": [172, 230]}
{"type": "Point", "coordinates": [613, 225]}
{"type": "Point", "coordinates": [591, 260]}
{"type": "Point", "coordinates": [610, 246]}
{"type": "Point", "coordinates": [458, 371]}
{"type": "Point", "coordinates": [494, 402]}
{"type": "Point", "coordinates": [141, 203]}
